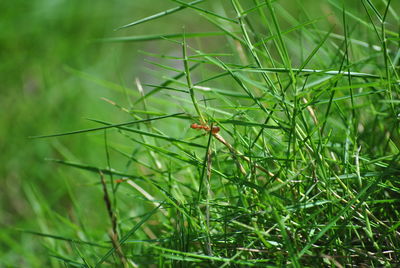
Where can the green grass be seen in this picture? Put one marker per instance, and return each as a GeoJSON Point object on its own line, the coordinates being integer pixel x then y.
{"type": "Point", "coordinates": [303, 172]}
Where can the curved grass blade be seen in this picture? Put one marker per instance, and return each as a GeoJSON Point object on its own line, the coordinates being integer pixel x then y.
{"type": "Point", "coordinates": [151, 37]}
{"type": "Point", "coordinates": [158, 15]}
{"type": "Point", "coordinates": [70, 262]}
{"type": "Point", "coordinates": [170, 139]}
{"type": "Point", "coordinates": [105, 127]}
{"type": "Point", "coordinates": [105, 171]}
{"type": "Point", "coordinates": [204, 11]}
{"type": "Point", "coordinates": [76, 241]}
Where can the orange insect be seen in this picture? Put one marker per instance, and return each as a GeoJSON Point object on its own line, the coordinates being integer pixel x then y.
{"type": "Point", "coordinates": [214, 129]}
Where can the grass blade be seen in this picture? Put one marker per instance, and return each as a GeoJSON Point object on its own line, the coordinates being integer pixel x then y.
{"type": "Point", "coordinates": [105, 127]}
{"type": "Point", "coordinates": [159, 15]}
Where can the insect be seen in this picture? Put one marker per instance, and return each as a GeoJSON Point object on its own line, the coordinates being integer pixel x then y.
{"type": "Point", "coordinates": [214, 129]}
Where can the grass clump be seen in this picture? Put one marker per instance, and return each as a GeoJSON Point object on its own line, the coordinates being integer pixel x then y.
{"type": "Point", "coordinates": [303, 168]}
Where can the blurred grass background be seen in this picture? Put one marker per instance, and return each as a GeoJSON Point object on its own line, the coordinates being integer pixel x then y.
{"type": "Point", "coordinates": [41, 41]}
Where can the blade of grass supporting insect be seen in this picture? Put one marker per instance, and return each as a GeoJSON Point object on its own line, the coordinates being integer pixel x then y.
{"type": "Point", "coordinates": [128, 234]}
{"type": "Point", "coordinates": [189, 80]}
{"type": "Point", "coordinates": [150, 134]}
{"type": "Point", "coordinates": [106, 127]}
{"type": "Point", "coordinates": [158, 15]}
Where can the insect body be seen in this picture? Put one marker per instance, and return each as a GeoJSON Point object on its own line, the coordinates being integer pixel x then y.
{"type": "Point", "coordinates": [214, 129]}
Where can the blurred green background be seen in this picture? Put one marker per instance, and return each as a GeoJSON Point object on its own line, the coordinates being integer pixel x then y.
{"type": "Point", "coordinates": [47, 53]}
